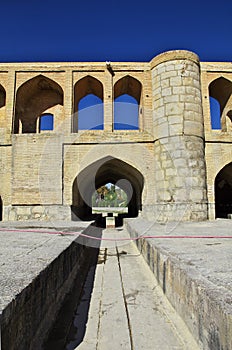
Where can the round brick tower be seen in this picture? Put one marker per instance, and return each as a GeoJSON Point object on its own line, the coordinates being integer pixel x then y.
{"type": "Point", "coordinates": [179, 137]}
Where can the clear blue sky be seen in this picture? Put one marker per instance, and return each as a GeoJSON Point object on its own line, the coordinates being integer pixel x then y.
{"type": "Point", "coordinates": [122, 30]}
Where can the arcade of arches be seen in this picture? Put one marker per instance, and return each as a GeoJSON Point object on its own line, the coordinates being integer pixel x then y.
{"type": "Point", "coordinates": [42, 95]}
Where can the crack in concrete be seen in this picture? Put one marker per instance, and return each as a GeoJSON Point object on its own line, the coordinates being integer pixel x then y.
{"type": "Point", "coordinates": [100, 302]}
{"type": "Point", "coordinates": [125, 301]}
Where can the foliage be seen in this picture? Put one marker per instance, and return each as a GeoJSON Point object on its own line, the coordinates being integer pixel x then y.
{"type": "Point", "coordinates": [109, 195]}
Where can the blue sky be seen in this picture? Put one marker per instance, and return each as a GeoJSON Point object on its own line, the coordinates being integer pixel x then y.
{"type": "Point", "coordinates": [121, 30]}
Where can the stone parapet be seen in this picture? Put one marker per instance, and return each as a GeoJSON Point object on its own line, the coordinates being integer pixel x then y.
{"type": "Point", "coordinates": [178, 212]}
{"type": "Point", "coordinates": [37, 212]}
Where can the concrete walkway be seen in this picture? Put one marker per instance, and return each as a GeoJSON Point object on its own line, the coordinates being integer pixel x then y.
{"type": "Point", "coordinates": [127, 308]}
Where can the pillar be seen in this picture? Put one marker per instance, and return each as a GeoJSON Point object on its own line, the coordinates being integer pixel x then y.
{"type": "Point", "coordinates": [179, 137]}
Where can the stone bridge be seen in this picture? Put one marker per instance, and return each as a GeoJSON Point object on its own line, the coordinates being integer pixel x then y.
{"type": "Point", "coordinates": [178, 163]}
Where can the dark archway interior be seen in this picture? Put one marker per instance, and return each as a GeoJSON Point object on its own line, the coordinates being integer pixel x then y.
{"type": "Point", "coordinates": [223, 192]}
{"type": "Point", "coordinates": [221, 90]}
{"type": "Point", "coordinates": [2, 96]}
{"type": "Point", "coordinates": [128, 85]}
{"type": "Point", "coordinates": [106, 170]}
{"type": "Point", "coordinates": [1, 208]}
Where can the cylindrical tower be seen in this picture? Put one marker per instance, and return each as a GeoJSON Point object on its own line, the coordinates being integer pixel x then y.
{"type": "Point", "coordinates": [179, 137]}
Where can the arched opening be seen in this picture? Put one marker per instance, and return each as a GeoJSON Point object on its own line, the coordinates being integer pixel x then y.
{"type": "Point", "coordinates": [112, 199]}
{"type": "Point", "coordinates": [110, 195]}
{"type": "Point", "coordinates": [33, 99]}
{"type": "Point", "coordinates": [90, 113]}
{"type": "Point", "coordinates": [1, 208]}
{"type": "Point", "coordinates": [88, 105]}
{"type": "Point", "coordinates": [127, 99]}
{"type": "Point", "coordinates": [126, 113]}
{"type": "Point", "coordinates": [215, 114]}
{"type": "Point", "coordinates": [2, 96]}
{"type": "Point", "coordinates": [220, 91]}
{"type": "Point", "coordinates": [46, 122]}
{"type": "Point", "coordinates": [2, 102]}
{"type": "Point", "coordinates": [223, 192]}
{"type": "Point", "coordinates": [104, 171]}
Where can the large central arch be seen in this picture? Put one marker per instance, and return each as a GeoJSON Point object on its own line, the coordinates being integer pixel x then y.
{"type": "Point", "coordinates": [106, 170]}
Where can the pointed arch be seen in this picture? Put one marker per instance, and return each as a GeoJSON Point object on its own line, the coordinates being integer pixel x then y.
{"type": "Point", "coordinates": [127, 99]}
{"type": "Point", "coordinates": [215, 113]}
{"type": "Point", "coordinates": [223, 192]}
{"type": "Point", "coordinates": [33, 99]}
{"type": "Point", "coordinates": [106, 170]}
{"type": "Point", "coordinates": [220, 90]}
{"type": "Point", "coordinates": [46, 122]}
{"type": "Point", "coordinates": [88, 104]}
